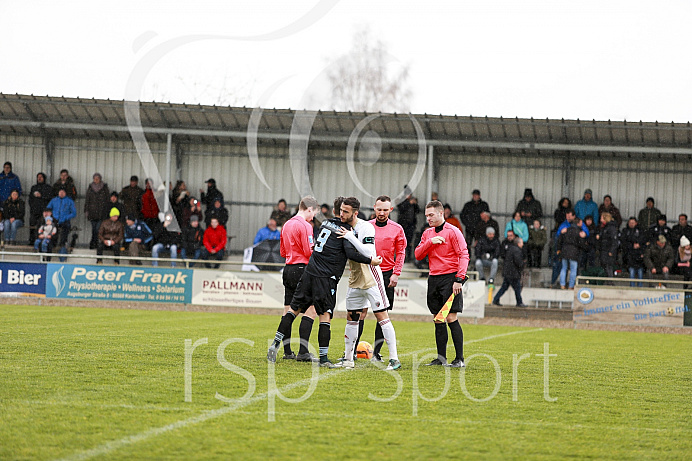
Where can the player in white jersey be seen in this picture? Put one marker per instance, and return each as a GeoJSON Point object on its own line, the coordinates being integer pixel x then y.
{"type": "Point", "coordinates": [365, 288]}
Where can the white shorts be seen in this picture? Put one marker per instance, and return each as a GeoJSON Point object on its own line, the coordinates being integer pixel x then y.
{"type": "Point", "coordinates": [372, 297]}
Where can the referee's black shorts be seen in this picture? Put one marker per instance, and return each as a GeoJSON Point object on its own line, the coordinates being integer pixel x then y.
{"type": "Point", "coordinates": [291, 277]}
{"type": "Point", "coordinates": [389, 291]}
{"type": "Point", "coordinates": [439, 290]}
{"type": "Point", "coordinates": [315, 291]}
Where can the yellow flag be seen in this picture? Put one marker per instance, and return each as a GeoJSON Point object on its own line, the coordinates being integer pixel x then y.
{"type": "Point", "coordinates": [442, 315]}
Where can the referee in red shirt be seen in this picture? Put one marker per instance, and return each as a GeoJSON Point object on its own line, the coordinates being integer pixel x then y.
{"type": "Point", "coordinates": [445, 247]}
{"type": "Point", "coordinates": [296, 247]}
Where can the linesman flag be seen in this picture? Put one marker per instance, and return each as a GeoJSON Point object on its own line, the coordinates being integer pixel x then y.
{"type": "Point", "coordinates": [442, 315]}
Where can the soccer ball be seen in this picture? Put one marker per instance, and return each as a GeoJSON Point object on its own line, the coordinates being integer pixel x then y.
{"type": "Point", "coordinates": [364, 350]}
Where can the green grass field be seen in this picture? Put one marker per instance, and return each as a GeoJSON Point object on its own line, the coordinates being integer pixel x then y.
{"type": "Point", "coordinates": [81, 383]}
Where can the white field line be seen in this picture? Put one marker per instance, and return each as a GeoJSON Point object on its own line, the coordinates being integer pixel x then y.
{"type": "Point", "coordinates": [114, 445]}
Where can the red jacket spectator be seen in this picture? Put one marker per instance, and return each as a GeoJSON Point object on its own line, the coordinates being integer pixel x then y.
{"type": "Point", "coordinates": [215, 238]}
{"type": "Point", "coordinates": [150, 209]}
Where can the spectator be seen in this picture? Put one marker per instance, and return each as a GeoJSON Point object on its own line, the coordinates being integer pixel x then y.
{"type": "Point", "coordinates": [586, 207]}
{"type": "Point", "coordinates": [681, 229]}
{"type": "Point", "coordinates": [659, 258]}
{"type": "Point", "coordinates": [507, 242]}
{"type": "Point", "coordinates": [192, 240]}
{"type": "Point", "coordinates": [633, 241]}
{"type": "Point", "coordinates": [609, 243]}
{"type": "Point", "coordinates": [115, 203]}
{"type": "Point", "coordinates": [684, 258]}
{"type": "Point", "coordinates": [561, 229]}
{"type": "Point", "coordinates": [280, 213]}
{"type": "Point", "coordinates": [64, 211]}
{"type": "Point", "coordinates": [268, 232]}
{"type": "Point", "coordinates": [529, 208]}
{"type": "Point", "coordinates": [137, 237]}
{"type": "Point", "coordinates": [485, 222]}
{"type": "Point", "coordinates": [608, 207]}
{"type": "Point", "coordinates": [131, 197]}
{"type": "Point", "coordinates": [570, 244]}
{"type": "Point", "coordinates": [45, 235]}
{"type": "Point", "coordinates": [538, 237]}
{"type": "Point", "coordinates": [40, 195]}
{"type": "Point", "coordinates": [110, 235]}
{"type": "Point", "coordinates": [511, 272]}
{"type": "Point", "coordinates": [179, 200]}
{"type": "Point", "coordinates": [408, 209]}
{"type": "Point", "coordinates": [563, 206]}
{"type": "Point", "coordinates": [65, 182]}
{"type": "Point", "coordinates": [150, 209]}
{"type": "Point", "coordinates": [193, 208]}
{"type": "Point", "coordinates": [326, 211]}
{"type": "Point", "coordinates": [588, 256]}
{"type": "Point", "coordinates": [449, 217]}
{"type": "Point", "coordinates": [648, 216]}
{"type": "Point", "coordinates": [660, 228]}
{"type": "Point", "coordinates": [96, 207]}
{"type": "Point", "coordinates": [471, 217]}
{"type": "Point", "coordinates": [8, 182]}
{"type": "Point", "coordinates": [13, 212]}
{"type": "Point", "coordinates": [519, 227]}
{"type": "Point", "coordinates": [166, 240]}
{"type": "Point", "coordinates": [214, 242]}
{"type": "Point", "coordinates": [217, 211]}
{"type": "Point", "coordinates": [212, 194]}
{"type": "Point", "coordinates": [488, 254]}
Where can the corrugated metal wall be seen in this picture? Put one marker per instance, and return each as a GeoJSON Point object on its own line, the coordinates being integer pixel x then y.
{"type": "Point", "coordinates": [630, 182]}
{"type": "Point", "coordinates": [501, 179]}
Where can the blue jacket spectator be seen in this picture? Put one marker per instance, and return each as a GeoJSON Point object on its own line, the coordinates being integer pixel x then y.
{"type": "Point", "coordinates": [268, 232]}
{"type": "Point", "coordinates": [566, 224]}
{"type": "Point", "coordinates": [136, 229]}
{"type": "Point", "coordinates": [63, 208]}
{"type": "Point", "coordinates": [518, 226]}
{"type": "Point", "coordinates": [8, 182]}
{"type": "Point", "coordinates": [586, 207]}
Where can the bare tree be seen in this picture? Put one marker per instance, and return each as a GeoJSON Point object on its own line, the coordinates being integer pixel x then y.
{"type": "Point", "coordinates": [363, 80]}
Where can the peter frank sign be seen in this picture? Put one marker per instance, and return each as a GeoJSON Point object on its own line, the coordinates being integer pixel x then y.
{"type": "Point", "coordinates": [121, 284]}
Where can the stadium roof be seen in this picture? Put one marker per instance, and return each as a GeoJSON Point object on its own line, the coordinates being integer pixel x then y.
{"type": "Point", "coordinates": [98, 118]}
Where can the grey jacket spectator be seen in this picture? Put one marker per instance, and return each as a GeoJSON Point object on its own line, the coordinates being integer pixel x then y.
{"type": "Point", "coordinates": [659, 256]}
{"type": "Point", "coordinates": [97, 201]}
{"type": "Point", "coordinates": [66, 183]}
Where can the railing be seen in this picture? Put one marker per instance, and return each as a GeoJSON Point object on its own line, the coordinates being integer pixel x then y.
{"type": "Point", "coordinates": [673, 284]}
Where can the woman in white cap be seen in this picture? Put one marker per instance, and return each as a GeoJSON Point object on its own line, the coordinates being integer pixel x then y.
{"type": "Point", "coordinates": [684, 258]}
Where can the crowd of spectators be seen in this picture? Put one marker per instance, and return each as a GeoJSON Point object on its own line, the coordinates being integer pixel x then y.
{"type": "Point", "coordinates": [587, 238]}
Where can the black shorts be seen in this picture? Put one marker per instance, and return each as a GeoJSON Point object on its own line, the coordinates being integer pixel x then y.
{"type": "Point", "coordinates": [439, 290]}
{"type": "Point", "coordinates": [291, 277]}
{"type": "Point", "coordinates": [389, 291]}
{"type": "Point", "coordinates": [315, 291]}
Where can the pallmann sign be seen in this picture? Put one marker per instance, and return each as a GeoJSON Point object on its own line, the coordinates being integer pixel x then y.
{"type": "Point", "coordinates": [640, 307]}
{"type": "Point", "coordinates": [237, 289]}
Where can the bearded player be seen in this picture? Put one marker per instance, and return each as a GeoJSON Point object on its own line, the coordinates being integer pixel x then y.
{"type": "Point", "coordinates": [365, 287]}
{"type": "Point", "coordinates": [317, 285]}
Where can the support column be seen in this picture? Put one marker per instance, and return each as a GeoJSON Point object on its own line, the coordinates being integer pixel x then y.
{"type": "Point", "coordinates": [431, 175]}
{"type": "Point", "coordinates": [179, 152]}
{"type": "Point", "coordinates": [49, 145]}
{"type": "Point", "coordinates": [169, 148]}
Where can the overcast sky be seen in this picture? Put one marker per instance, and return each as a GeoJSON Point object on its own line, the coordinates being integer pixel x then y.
{"type": "Point", "coordinates": [588, 59]}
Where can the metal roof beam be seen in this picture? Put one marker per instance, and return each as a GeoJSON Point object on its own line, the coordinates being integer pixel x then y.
{"type": "Point", "coordinates": [344, 138]}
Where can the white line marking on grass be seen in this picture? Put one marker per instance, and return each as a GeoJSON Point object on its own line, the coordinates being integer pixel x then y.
{"type": "Point", "coordinates": [212, 414]}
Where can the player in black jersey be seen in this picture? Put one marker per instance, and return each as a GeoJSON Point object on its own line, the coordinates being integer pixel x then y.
{"type": "Point", "coordinates": [318, 284]}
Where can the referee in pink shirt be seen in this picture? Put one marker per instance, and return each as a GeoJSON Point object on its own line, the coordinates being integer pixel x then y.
{"type": "Point", "coordinates": [445, 247]}
{"type": "Point", "coordinates": [296, 246]}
